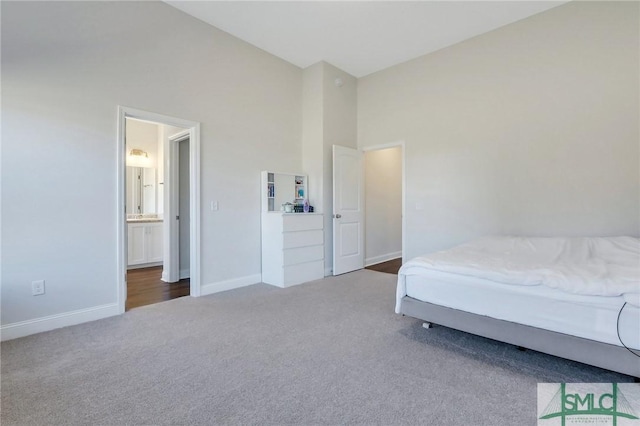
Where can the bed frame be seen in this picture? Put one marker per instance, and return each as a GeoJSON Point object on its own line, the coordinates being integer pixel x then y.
{"type": "Point", "coordinates": [603, 355]}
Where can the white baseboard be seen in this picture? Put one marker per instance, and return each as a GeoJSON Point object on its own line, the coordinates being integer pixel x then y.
{"type": "Point", "coordinates": [144, 265]}
{"type": "Point", "coordinates": [382, 258]}
{"type": "Point", "coordinates": [38, 325]}
{"type": "Point", "coordinates": [230, 284]}
{"type": "Point", "coordinates": [182, 274]}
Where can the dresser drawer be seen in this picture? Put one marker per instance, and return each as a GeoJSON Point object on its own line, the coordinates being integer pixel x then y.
{"type": "Point", "coordinates": [301, 222]}
{"type": "Point", "coordinates": [294, 256]}
{"type": "Point", "coordinates": [296, 274]}
{"type": "Point", "coordinates": [302, 238]}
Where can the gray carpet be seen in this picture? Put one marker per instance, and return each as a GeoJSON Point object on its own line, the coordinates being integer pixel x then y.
{"type": "Point", "coordinates": [327, 352]}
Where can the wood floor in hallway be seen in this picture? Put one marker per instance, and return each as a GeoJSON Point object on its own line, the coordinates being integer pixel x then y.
{"type": "Point", "coordinates": [389, 267]}
{"type": "Point", "coordinates": [144, 287]}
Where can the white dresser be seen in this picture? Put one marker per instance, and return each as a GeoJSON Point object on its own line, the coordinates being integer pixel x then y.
{"type": "Point", "coordinates": [292, 243]}
{"type": "Point", "coordinates": [292, 248]}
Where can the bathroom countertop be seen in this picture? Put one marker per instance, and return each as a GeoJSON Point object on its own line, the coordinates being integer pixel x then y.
{"type": "Point", "coordinates": [144, 220]}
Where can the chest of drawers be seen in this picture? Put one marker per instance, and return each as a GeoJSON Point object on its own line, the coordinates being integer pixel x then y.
{"type": "Point", "coordinates": [292, 248]}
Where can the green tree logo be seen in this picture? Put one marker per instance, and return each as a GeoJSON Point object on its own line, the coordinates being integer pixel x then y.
{"type": "Point", "coordinates": [612, 404]}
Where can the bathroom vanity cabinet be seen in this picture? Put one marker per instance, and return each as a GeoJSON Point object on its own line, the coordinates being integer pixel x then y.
{"type": "Point", "coordinates": [144, 243]}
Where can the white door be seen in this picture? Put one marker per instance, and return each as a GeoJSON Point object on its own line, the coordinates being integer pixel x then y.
{"type": "Point", "coordinates": [348, 210]}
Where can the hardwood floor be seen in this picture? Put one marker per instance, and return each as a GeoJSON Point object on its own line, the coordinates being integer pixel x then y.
{"type": "Point", "coordinates": [144, 287]}
{"type": "Point", "coordinates": [389, 267]}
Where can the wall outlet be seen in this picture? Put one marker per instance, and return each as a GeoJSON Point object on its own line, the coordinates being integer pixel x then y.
{"type": "Point", "coordinates": [37, 287]}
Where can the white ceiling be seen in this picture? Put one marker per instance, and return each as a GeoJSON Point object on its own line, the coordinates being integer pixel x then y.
{"type": "Point", "coordinates": [360, 37]}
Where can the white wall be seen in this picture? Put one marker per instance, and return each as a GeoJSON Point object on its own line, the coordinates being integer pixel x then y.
{"type": "Point", "coordinates": [383, 198]}
{"type": "Point", "coordinates": [329, 117]}
{"type": "Point", "coordinates": [312, 133]}
{"type": "Point", "coordinates": [339, 128]}
{"type": "Point", "coordinates": [66, 66]}
{"type": "Point", "coordinates": [531, 129]}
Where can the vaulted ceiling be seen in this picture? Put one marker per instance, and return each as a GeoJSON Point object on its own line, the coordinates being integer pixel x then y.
{"type": "Point", "coordinates": [360, 37]}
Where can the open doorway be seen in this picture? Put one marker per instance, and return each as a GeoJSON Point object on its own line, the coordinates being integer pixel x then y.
{"type": "Point", "coordinates": [159, 176]}
{"type": "Point", "coordinates": [368, 207]}
{"type": "Point", "coordinates": [383, 169]}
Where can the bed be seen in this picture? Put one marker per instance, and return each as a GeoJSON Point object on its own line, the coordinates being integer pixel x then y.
{"type": "Point", "coordinates": [576, 298]}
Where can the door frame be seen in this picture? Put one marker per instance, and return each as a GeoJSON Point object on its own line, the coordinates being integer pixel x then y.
{"type": "Point", "coordinates": [171, 271]}
{"type": "Point", "coordinates": [193, 127]}
{"type": "Point", "coordinates": [394, 144]}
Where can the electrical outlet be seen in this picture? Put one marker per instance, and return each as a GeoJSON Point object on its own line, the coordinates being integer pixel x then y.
{"type": "Point", "coordinates": [37, 287]}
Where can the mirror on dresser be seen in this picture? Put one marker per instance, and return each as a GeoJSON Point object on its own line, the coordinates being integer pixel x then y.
{"type": "Point", "coordinates": [142, 190]}
{"type": "Point", "coordinates": [281, 188]}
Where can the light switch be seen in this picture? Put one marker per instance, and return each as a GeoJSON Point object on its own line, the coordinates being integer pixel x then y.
{"type": "Point", "coordinates": [214, 206]}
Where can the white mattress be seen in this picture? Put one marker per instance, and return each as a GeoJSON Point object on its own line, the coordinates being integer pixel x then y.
{"type": "Point", "coordinates": [590, 317]}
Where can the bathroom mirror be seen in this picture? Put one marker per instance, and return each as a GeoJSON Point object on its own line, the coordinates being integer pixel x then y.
{"type": "Point", "coordinates": [142, 190]}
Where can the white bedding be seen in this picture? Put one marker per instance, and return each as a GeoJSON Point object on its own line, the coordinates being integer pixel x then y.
{"type": "Point", "coordinates": [574, 286]}
{"type": "Point", "coordinates": [588, 266]}
{"type": "Point", "coordinates": [589, 317]}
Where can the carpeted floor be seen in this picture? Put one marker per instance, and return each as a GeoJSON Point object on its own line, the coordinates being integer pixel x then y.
{"type": "Point", "coordinates": [327, 352]}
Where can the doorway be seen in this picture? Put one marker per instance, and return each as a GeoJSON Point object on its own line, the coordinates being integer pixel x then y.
{"type": "Point", "coordinates": [383, 208]}
{"type": "Point", "coordinates": [178, 239]}
{"type": "Point", "coordinates": [371, 232]}
{"type": "Point", "coordinates": [152, 180]}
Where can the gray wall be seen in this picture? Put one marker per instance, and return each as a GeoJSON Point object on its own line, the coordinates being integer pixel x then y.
{"type": "Point", "coordinates": [66, 66]}
{"type": "Point", "coordinates": [531, 129]}
{"type": "Point", "coordinates": [329, 118]}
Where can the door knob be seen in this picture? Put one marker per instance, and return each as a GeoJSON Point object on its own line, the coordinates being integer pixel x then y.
{"type": "Point", "coordinates": [337, 216]}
